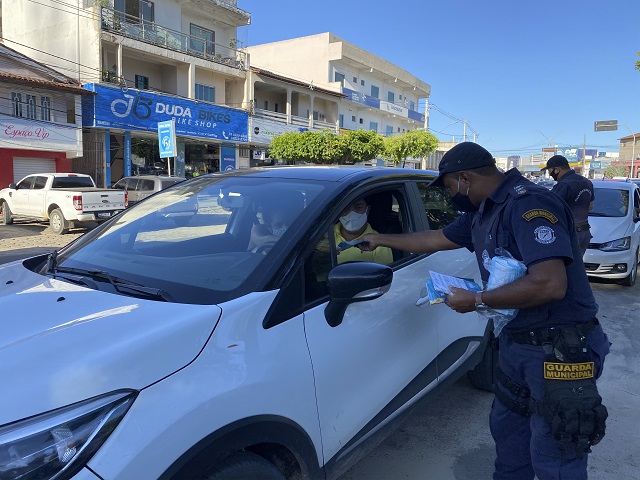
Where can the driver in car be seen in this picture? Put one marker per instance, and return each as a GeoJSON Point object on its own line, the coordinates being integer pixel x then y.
{"type": "Point", "coordinates": [276, 218]}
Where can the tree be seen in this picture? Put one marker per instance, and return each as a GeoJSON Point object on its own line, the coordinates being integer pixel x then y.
{"type": "Point", "coordinates": [638, 62]}
{"type": "Point", "coordinates": [416, 144]}
{"type": "Point", "coordinates": [361, 146]}
{"type": "Point", "coordinates": [615, 171]}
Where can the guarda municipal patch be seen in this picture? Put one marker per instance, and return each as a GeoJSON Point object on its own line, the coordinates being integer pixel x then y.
{"type": "Point", "coordinates": [539, 213]}
{"type": "Point", "coordinates": [568, 371]}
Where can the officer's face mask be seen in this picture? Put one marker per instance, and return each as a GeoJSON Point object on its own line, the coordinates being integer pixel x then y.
{"type": "Point", "coordinates": [462, 202]}
{"type": "Point", "coordinates": [554, 174]}
{"type": "Point", "coordinates": [353, 221]}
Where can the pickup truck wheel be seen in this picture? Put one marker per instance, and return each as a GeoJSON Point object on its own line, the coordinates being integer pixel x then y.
{"type": "Point", "coordinates": [245, 466]}
{"type": "Point", "coordinates": [6, 218]}
{"type": "Point", "coordinates": [57, 222]}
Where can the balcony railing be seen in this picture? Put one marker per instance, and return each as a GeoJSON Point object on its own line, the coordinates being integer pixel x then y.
{"type": "Point", "coordinates": [297, 121]}
{"type": "Point", "coordinates": [148, 32]}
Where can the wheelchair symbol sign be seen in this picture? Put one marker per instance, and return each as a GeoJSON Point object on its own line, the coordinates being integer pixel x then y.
{"type": "Point", "coordinates": [167, 139]}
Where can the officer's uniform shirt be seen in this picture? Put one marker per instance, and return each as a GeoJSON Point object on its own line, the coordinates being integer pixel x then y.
{"type": "Point", "coordinates": [577, 191]}
{"type": "Point", "coordinates": [533, 225]}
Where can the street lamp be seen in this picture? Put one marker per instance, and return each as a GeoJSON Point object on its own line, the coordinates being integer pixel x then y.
{"type": "Point", "coordinates": [610, 125]}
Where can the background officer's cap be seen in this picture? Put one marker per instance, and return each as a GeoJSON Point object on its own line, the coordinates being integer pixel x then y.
{"type": "Point", "coordinates": [464, 156]}
{"type": "Point", "coordinates": [556, 161]}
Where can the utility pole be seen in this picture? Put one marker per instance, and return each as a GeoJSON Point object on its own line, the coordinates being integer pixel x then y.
{"type": "Point", "coordinates": [584, 155]}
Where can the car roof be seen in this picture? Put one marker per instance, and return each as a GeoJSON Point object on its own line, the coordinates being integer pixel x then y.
{"type": "Point", "coordinates": [151, 177]}
{"type": "Point", "coordinates": [332, 173]}
{"type": "Point", "coordinates": [618, 184]}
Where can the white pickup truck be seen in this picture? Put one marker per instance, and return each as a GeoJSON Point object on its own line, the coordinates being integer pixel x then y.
{"type": "Point", "coordinates": [67, 200]}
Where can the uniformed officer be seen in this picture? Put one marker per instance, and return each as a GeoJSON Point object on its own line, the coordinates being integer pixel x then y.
{"type": "Point", "coordinates": [556, 310]}
{"type": "Point", "coordinates": [577, 191]}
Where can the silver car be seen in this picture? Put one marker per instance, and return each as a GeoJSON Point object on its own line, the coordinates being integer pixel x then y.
{"type": "Point", "coordinates": [142, 186]}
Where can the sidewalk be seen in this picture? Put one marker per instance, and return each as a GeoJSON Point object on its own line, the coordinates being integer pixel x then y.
{"type": "Point", "coordinates": [27, 239]}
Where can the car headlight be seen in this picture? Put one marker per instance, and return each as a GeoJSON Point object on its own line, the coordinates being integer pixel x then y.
{"type": "Point", "coordinates": [617, 245]}
{"type": "Point", "coordinates": [57, 444]}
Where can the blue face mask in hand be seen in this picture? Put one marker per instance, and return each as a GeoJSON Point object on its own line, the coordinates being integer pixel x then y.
{"type": "Point", "coordinates": [462, 202]}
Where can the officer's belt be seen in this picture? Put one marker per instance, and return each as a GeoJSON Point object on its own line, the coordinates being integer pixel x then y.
{"type": "Point", "coordinates": [544, 335]}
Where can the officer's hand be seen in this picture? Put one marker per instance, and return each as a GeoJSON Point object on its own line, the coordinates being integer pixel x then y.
{"type": "Point", "coordinates": [461, 300]}
{"type": "Point", "coordinates": [369, 243]}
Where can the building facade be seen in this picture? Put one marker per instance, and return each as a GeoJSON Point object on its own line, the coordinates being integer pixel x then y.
{"type": "Point", "coordinates": [377, 95]}
{"type": "Point", "coordinates": [40, 118]}
{"type": "Point", "coordinates": [146, 61]}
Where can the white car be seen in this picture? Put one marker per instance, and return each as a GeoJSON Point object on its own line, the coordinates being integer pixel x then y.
{"type": "Point", "coordinates": [614, 250]}
{"type": "Point", "coordinates": [159, 346]}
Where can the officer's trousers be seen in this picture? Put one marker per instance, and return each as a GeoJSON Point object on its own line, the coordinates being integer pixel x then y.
{"type": "Point", "coordinates": [524, 446]}
{"type": "Point", "coordinates": [584, 237]}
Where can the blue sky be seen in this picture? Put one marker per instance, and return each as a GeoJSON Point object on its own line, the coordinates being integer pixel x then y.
{"type": "Point", "coordinates": [523, 74]}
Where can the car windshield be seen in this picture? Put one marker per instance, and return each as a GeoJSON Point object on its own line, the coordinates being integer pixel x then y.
{"type": "Point", "coordinates": [202, 241]}
{"type": "Point", "coordinates": [610, 202]}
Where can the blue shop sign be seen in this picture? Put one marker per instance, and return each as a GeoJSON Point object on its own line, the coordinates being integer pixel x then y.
{"type": "Point", "coordinates": [361, 98]}
{"type": "Point", "coordinates": [131, 109]}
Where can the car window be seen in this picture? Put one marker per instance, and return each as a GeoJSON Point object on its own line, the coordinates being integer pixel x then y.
{"type": "Point", "coordinates": [610, 202]}
{"type": "Point", "coordinates": [25, 183]}
{"type": "Point", "coordinates": [193, 240]}
{"type": "Point", "coordinates": [145, 185]}
{"type": "Point", "coordinates": [121, 184]}
{"type": "Point", "coordinates": [71, 182]}
{"type": "Point", "coordinates": [168, 183]}
{"type": "Point", "coordinates": [387, 213]}
{"type": "Point", "coordinates": [39, 183]}
{"type": "Point", "coordinates": [437, 205]}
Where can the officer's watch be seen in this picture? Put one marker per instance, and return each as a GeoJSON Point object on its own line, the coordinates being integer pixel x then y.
{"type": "Point", "coordinates": [480, 305]}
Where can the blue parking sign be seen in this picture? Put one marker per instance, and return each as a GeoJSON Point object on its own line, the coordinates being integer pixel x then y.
{"type": "Point", "coordinates": [167, 138]}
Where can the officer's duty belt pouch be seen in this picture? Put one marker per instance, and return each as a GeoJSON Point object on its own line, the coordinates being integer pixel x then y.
{"type": "Point", "coordinates": [572, 405]}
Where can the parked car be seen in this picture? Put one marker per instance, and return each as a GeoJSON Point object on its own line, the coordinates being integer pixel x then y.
{"type": "Point", "coordinates": [614, 249]}
{"type": "Point", "coordinates": [142, 186]}
{"type": "Point", "coordinates": [159, 346]}
{"type": "Point", "coordinates": [66, 200]}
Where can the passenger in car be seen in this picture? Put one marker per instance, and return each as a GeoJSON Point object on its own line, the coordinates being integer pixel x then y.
{"type": "Point", "coordinates": [277, 217]}
{"type": "Point", "coordinates": [352, 225]}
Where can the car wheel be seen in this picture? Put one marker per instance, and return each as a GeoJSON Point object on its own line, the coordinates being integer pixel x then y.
{"type": "Point", "coordinates": [245, 466]}
{"type": "Point", "coordinates": [6, 218]}
{"type": "Point", "coordinates": [630, 280]}
{"type": "Point", "coordinates": [483, 376]}
{"type": "Point", "coordinates": [57, 222]}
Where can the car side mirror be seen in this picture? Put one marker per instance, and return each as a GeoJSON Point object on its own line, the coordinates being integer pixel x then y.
{"type": "Point", "coordinates": [12, 186]}
{"type": "Point", "coordinates": [355, 282]}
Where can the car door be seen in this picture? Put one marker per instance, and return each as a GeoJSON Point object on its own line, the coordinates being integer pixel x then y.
{"type": "Point", "coordinates": [20, 197]}
{"type": "Point", "coordinates": [384, 355]}
{"type": "Point", "coordinates": [36, 197]}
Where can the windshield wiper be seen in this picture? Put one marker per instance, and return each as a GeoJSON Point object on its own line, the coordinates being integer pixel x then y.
{"type": "Point", "coordinates": [125, 287]}
{"type": "Point", "coordinates": [86, 277]}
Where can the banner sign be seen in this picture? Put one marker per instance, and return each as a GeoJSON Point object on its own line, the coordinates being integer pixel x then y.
{"type": "Point", "coordinates": [363, 98]}
{"type": "Point", "coordinates": [142, 110]}
{"type": "Point", "coordinates": [34, 135]}
{"type": "Point", "coordinates": [263, 131]}
{"type": "Point", "coordinates": [393, 108]}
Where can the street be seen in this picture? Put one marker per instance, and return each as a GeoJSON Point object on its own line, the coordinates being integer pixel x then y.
{"type": "Point", "coordinates": [448, 438]}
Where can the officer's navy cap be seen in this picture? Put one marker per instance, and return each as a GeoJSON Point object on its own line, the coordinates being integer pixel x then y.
{"type": "Point", "coordinates": [464, 156]}
{"type": "Point", "coordinates": [556, 161]}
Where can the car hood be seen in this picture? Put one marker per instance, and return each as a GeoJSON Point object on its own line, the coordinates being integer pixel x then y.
{"type": "Point", "coordinates": [606, 229]}
{"type": "Point", "coordinates": [62, 343]}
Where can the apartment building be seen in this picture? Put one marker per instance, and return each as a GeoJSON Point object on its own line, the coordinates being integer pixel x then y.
{"type": "Point", "coordinates": [377, 95]}
{"type": "Point", "coordinates": [40, 123]}
{"type": "Point", "coordinates": [146, 62]}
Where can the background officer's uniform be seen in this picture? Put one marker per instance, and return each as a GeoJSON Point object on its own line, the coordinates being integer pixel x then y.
{"type": "Point", "coordinates": [533, 226]}
{"type": "Point", "coordinates": [577, 191]}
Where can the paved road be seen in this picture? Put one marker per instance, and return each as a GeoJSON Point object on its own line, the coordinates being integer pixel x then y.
{"type": "Point", "coordinates": [25, 239]}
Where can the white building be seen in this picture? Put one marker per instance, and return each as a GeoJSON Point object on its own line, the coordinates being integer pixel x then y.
{"type": "Point", "coordinates": [378, 95]}
{"type": "Point", "coordinates": [40, 129]}
{"type": "Point", "coordinates": [146, 61]}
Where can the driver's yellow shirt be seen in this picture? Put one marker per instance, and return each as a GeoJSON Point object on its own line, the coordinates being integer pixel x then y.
{"type": "Point", "coordinates": [381, 255]}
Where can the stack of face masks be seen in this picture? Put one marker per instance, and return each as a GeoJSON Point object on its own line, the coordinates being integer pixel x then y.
{"type": "Point", "coordinates": [503, 269]}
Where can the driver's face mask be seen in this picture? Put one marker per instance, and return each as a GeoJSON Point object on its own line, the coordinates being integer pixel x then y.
{"type": "Point", "coordinates": [278, 229]}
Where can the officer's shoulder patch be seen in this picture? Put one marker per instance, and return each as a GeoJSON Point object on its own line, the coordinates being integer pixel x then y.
{"type": "Point", "coordinates": [539, 213]}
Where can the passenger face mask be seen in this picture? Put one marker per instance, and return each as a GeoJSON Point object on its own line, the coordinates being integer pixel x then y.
{"type": "Point", "coordinates": [279, 230]}
{"type": "Point", "coordinates": [353, 221]}
{"type": "Point", "coordinates": [462, 202]}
